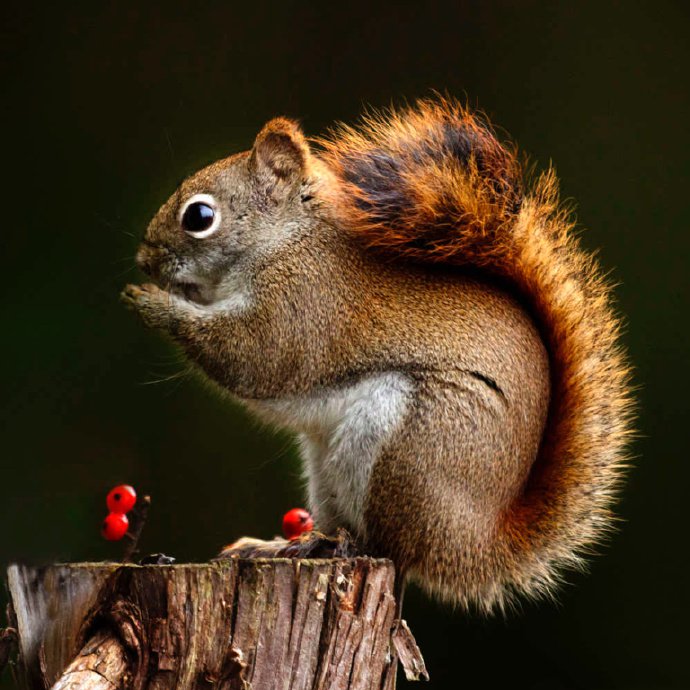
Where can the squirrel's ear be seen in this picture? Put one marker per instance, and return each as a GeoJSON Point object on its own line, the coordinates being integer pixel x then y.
{"type": "Point", "coordinates": [280, 155]}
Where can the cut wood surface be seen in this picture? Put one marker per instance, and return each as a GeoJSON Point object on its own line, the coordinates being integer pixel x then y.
{"type": "Point", "coordinates": [278, 624]}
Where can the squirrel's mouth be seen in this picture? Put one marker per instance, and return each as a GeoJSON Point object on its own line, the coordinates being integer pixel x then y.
{"type": "Point", "coordinates": [163, 265]}
{"type": "Point", "coordinates": [191, 291]}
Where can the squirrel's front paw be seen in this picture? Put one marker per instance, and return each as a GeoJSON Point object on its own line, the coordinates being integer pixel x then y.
{"type": "Point", "coordinates": [134, 295]}
{"type": "Point", "coordinates": [149, 301]}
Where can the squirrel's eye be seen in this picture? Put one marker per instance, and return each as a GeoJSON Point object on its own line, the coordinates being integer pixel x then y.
{"type": "Point", "coordinates": [200, 217]}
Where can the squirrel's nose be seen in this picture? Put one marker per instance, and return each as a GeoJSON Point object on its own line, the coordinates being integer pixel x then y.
{"type": "Point", "coordinates": [143, 260]}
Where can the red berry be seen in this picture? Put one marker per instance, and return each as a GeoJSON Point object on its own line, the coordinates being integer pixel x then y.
{"type": "Point", "coordinates": [115, 526]}
{"type": "Point", "coordinates": [296, 522]}
{"type": "Point", "coordinates": [121, 499]}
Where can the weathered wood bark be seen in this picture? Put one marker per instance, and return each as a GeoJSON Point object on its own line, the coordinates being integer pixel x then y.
{"type": "Point", "coordinates": [282, 624]}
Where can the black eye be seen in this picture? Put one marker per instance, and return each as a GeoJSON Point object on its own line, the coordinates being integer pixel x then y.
{"type": "Point", "coordinates": [198, 217]}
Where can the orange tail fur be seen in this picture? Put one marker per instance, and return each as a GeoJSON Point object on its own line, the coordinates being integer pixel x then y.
{"type": "Point", "coordinates": [434, 184]}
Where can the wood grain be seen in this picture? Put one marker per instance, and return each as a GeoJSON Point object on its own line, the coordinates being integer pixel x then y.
{"type": "Point", "coordinates": [278, 624]}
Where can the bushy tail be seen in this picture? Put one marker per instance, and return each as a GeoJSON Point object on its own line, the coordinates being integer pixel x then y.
{"type": "Point", "coordinates": [434, 184]}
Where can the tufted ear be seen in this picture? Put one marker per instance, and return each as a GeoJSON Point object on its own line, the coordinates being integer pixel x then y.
{"type": "Point", "coordinates": [280, 156]}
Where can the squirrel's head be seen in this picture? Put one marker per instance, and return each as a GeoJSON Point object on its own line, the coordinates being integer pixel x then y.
{"type": "Point", "coordinates": [231, 216]}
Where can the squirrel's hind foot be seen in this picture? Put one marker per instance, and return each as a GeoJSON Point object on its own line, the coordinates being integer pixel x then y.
{"type": "Point", "coordinates": [308, 545]}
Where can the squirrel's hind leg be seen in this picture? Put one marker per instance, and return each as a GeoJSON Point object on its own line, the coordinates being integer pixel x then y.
{"type": "Point", "coordinates": [439, 488]}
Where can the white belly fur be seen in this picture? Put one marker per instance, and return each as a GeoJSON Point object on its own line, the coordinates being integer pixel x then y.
{"type": "Point", "coordinates": [342, 431]}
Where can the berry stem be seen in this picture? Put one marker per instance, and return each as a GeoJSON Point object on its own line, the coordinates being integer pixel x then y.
{"type": "Point", "coordinates": [140, 513]}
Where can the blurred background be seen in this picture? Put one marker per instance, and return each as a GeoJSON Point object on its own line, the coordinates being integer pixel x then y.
{"type": "Point", "coordinates": [107, 106]}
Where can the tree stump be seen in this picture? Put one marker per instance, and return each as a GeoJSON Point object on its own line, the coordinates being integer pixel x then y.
{"type": "Point", "coordinates": [240, 624]}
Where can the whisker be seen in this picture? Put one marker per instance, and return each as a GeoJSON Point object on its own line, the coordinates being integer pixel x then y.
{"type": "Point", "coordinates": [125, 272]}
{"type": "Point", "coordinates": [114, 228]}
{"type": "Point", "coordinates": [171, 151]}
{"type": "Point", "coordinates": [166, 379]}
{"type": "Point", "coordinates": [279, 455]}
{"type": "Point", "coordinates": [177, 381]}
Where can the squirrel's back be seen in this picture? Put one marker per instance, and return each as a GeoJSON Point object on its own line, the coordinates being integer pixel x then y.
{"type": "Point", "coordinates": [433, 184]}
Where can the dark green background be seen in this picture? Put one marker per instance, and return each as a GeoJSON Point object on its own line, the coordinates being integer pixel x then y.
{"type": "Point", "coordinates": [107, 106]}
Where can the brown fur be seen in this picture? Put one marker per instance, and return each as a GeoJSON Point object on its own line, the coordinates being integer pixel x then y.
{"type": "Point", "coordinates": [409, 246]}
{"type": "Point", "coordinates": [470, 213]}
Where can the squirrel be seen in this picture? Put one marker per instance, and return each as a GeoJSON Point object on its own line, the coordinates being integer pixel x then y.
{"type": "Point", "coordinates": [398, 295]}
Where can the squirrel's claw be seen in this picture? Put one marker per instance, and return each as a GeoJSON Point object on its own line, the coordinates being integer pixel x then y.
{"type": "Point", "coordinates": [308, 545]}
{"type": "Point", "coordinates": [150, 302]}
{"type": "Point", "coordinates": [248, 547]}
{"type": "Point", "coordinates": [133, 295]}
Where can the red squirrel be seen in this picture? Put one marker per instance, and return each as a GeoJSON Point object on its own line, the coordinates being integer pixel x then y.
{"type": "Point", "coordinates": [427, 324]}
